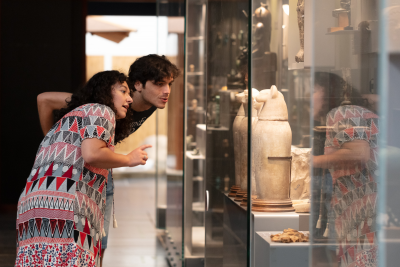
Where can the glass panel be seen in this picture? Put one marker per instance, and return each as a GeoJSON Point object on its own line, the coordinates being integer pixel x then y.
{"type": "Point", "coordinates": [226, 66]}
{"type": "Point", "coordinates": [389, 78]}
{"type": "Point", "coordinates": [171, 16]}
{"type": "Point", "coordinates": [345, 133]}
{"type": "Point", "coordinates": [280, 129]}
{"type": "Point", "coordinates": [194, 196]}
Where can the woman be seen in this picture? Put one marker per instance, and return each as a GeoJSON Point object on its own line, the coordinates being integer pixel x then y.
{"type": "Point", "coordinates": [350, 154]}
{"type": "Point", "coordinates": [61, 209]}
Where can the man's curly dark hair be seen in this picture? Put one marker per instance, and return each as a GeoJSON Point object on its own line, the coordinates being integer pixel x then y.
{"type": "Point", "coordinates": [98, 90]}
{"type": "Point", "coordinates": [151, 68]}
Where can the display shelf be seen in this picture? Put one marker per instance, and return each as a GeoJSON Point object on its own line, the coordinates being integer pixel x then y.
{"type": "Point", "coordinates": [195, 38]}
{"type": "Point", "coordinates": [190, 155]}
{"type": "Point", "coordinates": [343, 32]}
{"type": "Point", "coordinates": [275, 254]}
{"type": "Point", "coordinates": [297, 66]}
{"type": "Point", "coordinates": [195, 73]}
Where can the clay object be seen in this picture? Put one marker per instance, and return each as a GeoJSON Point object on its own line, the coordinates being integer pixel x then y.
{"type": "Point", "coordinates": [272, 140]}
{"type": "Point", "coordinates": [235, 128]}
{"type": "Point", "coordinates": [300, 180]}
{"type": "Point", "coordinates": [243, 133]}
{"type": "Point", "coordinates": [245, 199]}
{"type": "Point", "coordinates": [234, 189]}
{"type": "Point", "coordinates": [289, 236]}
{"type": "Point", "coordinates": [300, 21]}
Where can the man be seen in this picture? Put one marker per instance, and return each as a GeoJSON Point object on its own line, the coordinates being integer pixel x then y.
{"type": "Point", "coordinates": [150, 79]}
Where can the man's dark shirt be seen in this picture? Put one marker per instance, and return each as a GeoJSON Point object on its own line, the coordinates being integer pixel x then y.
{"type": "Point", "coordinates": [140, 117]}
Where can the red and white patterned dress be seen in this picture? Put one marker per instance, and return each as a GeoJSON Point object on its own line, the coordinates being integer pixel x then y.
{"type": "Point", "coordinates": [352, 219]}
{"type": "Point", "coordinates": [61, 209]}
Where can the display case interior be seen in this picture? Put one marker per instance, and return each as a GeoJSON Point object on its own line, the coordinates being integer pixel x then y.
{"type": "Point", "coordinates": [283, 106]}
{"type": "Point", "coordinates": [195, 110]}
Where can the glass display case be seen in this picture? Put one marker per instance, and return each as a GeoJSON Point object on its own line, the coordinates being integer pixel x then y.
{"type": "Point", "coordinates": [291, 115]}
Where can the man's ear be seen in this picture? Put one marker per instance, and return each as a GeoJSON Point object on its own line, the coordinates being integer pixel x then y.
{"type": "Point", "coordinates": [138, 86]}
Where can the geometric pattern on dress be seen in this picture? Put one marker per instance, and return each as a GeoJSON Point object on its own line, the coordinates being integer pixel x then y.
{"type": "Point", "coordinates": [48, 255]}
{"type": "Point", "coordinates": [63, 202]}
{"type": "Point", "coordinates": [353, 205]}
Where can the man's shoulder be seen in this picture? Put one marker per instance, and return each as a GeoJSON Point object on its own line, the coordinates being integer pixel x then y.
{"type": "Point", "coordinates": [140, 117]}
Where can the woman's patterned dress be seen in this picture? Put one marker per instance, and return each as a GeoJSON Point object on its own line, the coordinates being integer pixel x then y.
{"type": "Point", "coordinates": [60, 211]}
{"type": "Point", "coordinates": [352, 219]}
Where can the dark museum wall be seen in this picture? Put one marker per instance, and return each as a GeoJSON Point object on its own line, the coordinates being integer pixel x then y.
{"type": "Point", "coordinates": [42, 49]}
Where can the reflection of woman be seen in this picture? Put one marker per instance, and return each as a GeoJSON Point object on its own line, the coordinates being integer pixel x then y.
{"type": "Point", "coordinates": [350, 154]}
{"type": "Point", "coordinates": [61, 209]}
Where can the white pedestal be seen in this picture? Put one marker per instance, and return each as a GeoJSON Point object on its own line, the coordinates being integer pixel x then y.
{"type": "Point", "coordinates": [275, 254]}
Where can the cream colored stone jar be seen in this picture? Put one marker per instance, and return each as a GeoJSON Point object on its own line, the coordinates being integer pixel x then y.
{"type": "Point", "coordinates": [272, 139]}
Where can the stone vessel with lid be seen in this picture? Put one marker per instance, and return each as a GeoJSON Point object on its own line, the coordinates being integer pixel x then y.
{"type": "Point", "coordinates": [235, 129]}
{"type": "Point", "coordinates": [243, 133]}
{"type": "Point", "coordinates": [272, 139]}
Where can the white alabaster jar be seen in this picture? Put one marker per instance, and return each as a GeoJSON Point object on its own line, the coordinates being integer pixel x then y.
{"type": "Point", "coordinates": [235, 129]}
{"type": "Point", "coordinates": [243, 134]}
{"type": "Point", "coordinates": [272, 141]}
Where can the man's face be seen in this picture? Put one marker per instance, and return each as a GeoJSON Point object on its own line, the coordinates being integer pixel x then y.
{"type": "Point", "coordinates": [155, 93]}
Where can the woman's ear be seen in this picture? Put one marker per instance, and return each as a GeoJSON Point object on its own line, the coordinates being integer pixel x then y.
{"type": "Point", "coordinates": [138, 86]}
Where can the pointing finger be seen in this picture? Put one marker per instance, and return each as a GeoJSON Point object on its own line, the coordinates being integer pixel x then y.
{"type": "Point", "coordinates": [143, 147]}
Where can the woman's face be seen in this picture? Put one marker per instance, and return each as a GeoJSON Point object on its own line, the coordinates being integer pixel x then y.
{"type": "Point", "coordinates": [121, 98]}
{"type": "Point", "coordinates": [319, 101]}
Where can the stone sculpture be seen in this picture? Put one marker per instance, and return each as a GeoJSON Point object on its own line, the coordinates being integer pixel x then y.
{"type": "Point", "coordinates": [263, 60]}
{"type": "Point", "coordinates": [235, 129]}
{"type": "Point", "coordinates": [300, 20]}
{"type": "Point", "coordinates": [272, 140]}
{"type": "Point", "coordinates": [243, 148]}
{"type": "Point", "coordinates": [300, 173]}
{"type": "Point", "coordinates": [300, 187]}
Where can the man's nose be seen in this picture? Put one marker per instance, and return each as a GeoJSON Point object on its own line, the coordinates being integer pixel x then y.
{"type": "Point", "coordinates": [167, 89]}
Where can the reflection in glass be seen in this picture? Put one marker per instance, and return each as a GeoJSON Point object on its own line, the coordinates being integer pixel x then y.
{"type": "Point", "coordinates": [350, 155]}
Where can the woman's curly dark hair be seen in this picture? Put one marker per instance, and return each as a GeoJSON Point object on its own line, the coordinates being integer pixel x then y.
{"type": "Point", "coordinates": [98, 90]}
{"type": "Point", "coordinates": [333, 89]}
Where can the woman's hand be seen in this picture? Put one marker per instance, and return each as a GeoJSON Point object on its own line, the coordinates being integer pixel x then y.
{"type": "Point", "coordinates": [138, 156]}
{"type": "Point", "coordinates": [349, 155]}
{"type": "Point", "coordinates": [48, 102]}
{"type": "Point", "coordinates": [96, 153]}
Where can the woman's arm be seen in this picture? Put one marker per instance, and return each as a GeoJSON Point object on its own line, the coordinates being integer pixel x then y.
{"type": "Point", "coordinates": [48, 102]}
{"type": "Point", "coordinates": [350, 154]}
{"type": "Point", "coordinates": [96, 153]}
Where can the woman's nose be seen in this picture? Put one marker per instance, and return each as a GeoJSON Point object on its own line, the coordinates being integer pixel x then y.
{"type": "Point", "coordinates": [129, 99]}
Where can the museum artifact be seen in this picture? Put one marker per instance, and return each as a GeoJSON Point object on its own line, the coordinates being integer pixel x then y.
{"type": "Point", "coordinates": [243, 133]}
{"type": "Point", "coordinates": [347, 89]}
{"type": "Point", "coordinates": [300, 173]}
{"type": "Point", "coordinates": [300, 21]}
{"type": "Point", "coordinates": [344, 17]}
{"type": "Point", "coordinates": [300, 186]}
{"type": "Point", "coordinates": [289, 236]}
{"type": "Point", "coordinates": [272, 140]}
{"type": "Point", "coordinates": [244, 200]}
{"type": "Point", "coordinates": [264, 61]}
{"type": "Point", "coordinates": [236, 150]}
